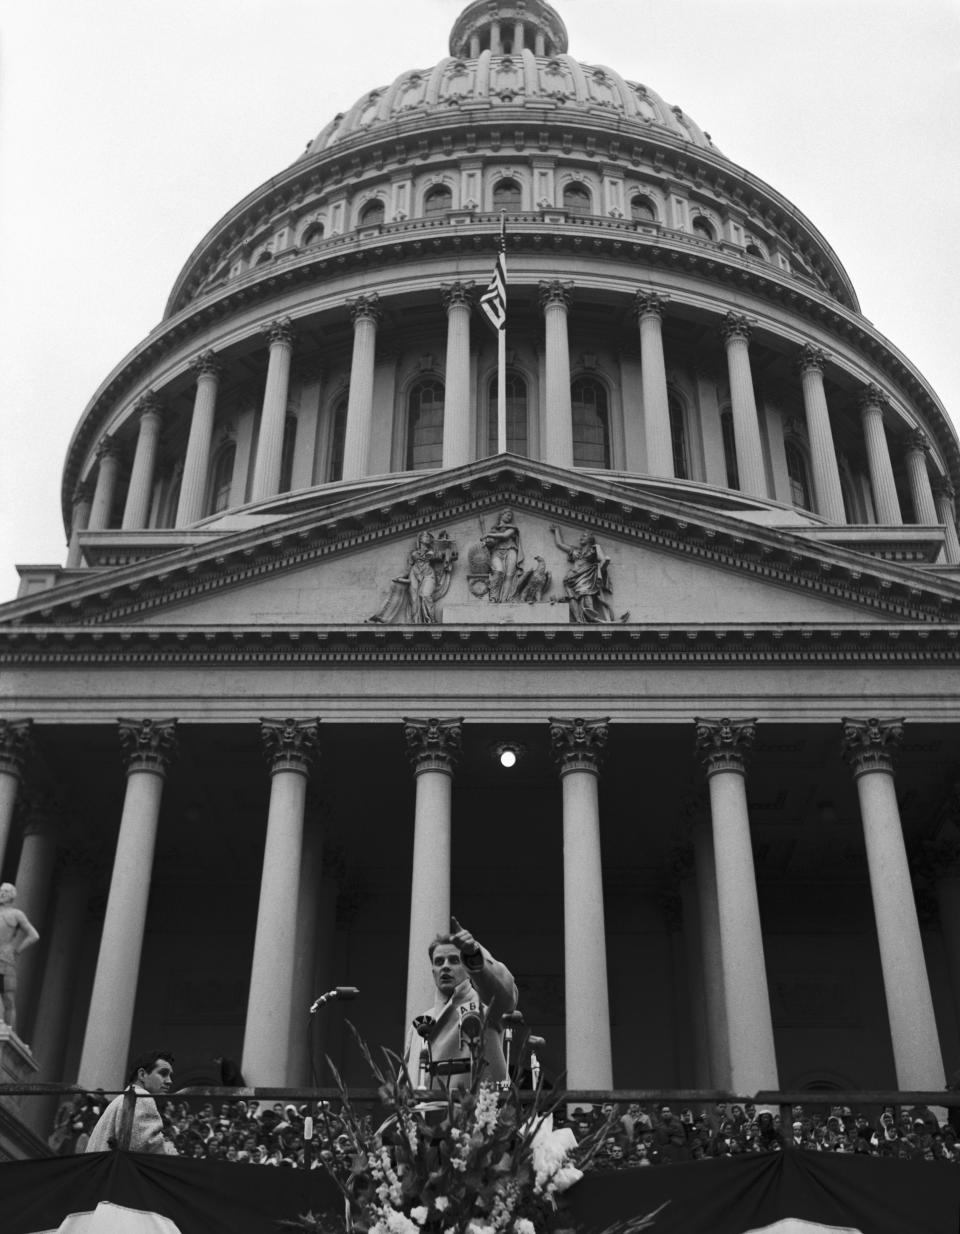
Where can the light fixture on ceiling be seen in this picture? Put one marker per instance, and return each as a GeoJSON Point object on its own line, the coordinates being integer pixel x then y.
{"type": "Point", "coordinates": [507, 753]}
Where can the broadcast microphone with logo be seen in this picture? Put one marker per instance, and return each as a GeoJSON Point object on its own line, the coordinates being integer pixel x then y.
{"type": "Point", "coordinates": [340, 991]}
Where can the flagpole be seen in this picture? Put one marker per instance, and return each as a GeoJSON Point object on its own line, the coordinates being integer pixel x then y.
{"type": "Point", "coordinates": [502, 357]}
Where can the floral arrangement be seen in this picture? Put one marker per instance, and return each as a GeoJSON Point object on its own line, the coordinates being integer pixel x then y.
{"type": "Point", "coordinates": [481, 1159]}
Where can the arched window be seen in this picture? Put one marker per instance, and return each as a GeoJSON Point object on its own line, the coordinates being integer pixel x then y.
{"type": "Point", "coordinates": [338, 437]}
{"type": "Point", "coordinates": [313, 233]}
{"type": "Point", "coordinates": [264, 257]}
{"type": "Point", "coordinates": [507, 195]}
{"type": "Point", "coordinates": [591, 423]}
{"type": "Point", "coordinates": [438, 200]}
{"type": "Point", "coordinates": [577, 199]}
{"type": "Point", "coordinates": [642, 209]}
{"type": "Point", "coordinates": [425, 425]}
{"type": "Point", "coordinates": [678, 438]}
{"type": "Point", "coordinates": [221, 478]}
{"type": "Point", "coordinates": [372, 213]}
{"type": "Point", "coordinates": [703, 227]}
{"type": "Point", "coordinates": [754, 251]}
{"type": "Point", "coordinates": [516, 415]}
{"type": "Point", "coordinates": [797, 471]}
{"type": "Point", "coordinates": [729, 449]}
{"type": "Point", "coordinates": [286, 456]}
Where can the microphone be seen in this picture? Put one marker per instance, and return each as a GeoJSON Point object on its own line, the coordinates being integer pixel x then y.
{"type": "Point", "coordinates": [340, 991]}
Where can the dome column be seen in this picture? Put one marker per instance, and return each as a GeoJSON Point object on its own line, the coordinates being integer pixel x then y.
{"type": "Point", "coordinates": [885, 500]}
{"type": "Point", "coordinates": [921, 494]}
{"type": "Point", "coordinates": [577, 747]}
{"type": "Point", "coordinates": [723, 747]}
{"type": "Point", "coordinates": [15, 747]}
{"type": "Point", "coordinates": [868, 747]}
{"type": "Point", "coordinates": [943, 496]}
{"type": "Point", "coordinates": [823, 454]}
{"type": "Point", "coordinates": [456, 396]}
{"type": "Point", "coordinates": [555, 299]}
{"type": "Point", "coordinates": [649, 308]}
{"type": "Point", "coordinates": [433, 747]}
{"type": "Point", "coordinates": [136, 511]}
{"type": "Point", "coordinates": [743, 404]}
{"type": "Point", "coordinates": [79, 521]}
{"type": "Point", "coordinates": [366, 313]}
{"type": "Point", "coordinates": [273, 417]}
{"type": "Point", "coordinates": [108, 457]}
{"type": "Point", "coordinates": [290, 746]}
{"type": "Point", "coordinates": [149, 747]}
{"type": "Point", "coordinates": [193, 486]}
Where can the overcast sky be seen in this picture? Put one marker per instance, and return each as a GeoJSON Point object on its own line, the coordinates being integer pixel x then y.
{"type": "Point", "coordinates": [128, 127]}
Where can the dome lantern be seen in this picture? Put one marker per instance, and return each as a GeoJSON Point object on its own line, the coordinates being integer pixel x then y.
{"type": "Point", "coordinates": [508, 27]}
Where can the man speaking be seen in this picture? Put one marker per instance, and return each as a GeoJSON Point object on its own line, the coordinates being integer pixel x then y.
{"type": "Point", "coordinates": [473, 990]}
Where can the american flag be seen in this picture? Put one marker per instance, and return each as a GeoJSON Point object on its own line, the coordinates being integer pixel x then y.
{"type": "Point", "coordinates": [493, 302]}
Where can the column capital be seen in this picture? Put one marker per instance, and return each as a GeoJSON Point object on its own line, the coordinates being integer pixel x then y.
{"type": "Point", "coordinates": [290, 745]}
{"type": "Point", "coordinates": [207, 364]}
{"type": "Point", "coordinates": [457, 295]}
{"type": "Point", "coordinates": [148, 745]}
{"type": "Point", "coordinates": [16, 745]}
{"type": "Point", "coordinates": [148, 404]}
{"type": "Point", "coordinates": [650, 304]}
{"type": "Point", "coordinates": [433, 745]}
{"type": "Point", "coordinates": [725, 744]}
{"type": "Point", "coordinates": [577, 744]}
{"type": "Point", "coordinates": [869, 745]}
{"type": "Point", "coordinates": [916, 439]}
{"type": "Point", "coordinates": [279, 332]}
{"type": "Point", "coordinates": [942, 487]}
{"type": "Point", "coordinates": [872, 397]}
{"type": "Point", "coordinates": [107, 447]}
{"type": "Point", "coordinates": [365, 308]}
{"type": "Point", "coordinates": [811, 359]}
{"type": "Point", "coordinates": [555, 291]}
{"type": "Point", "coordinates": [735, 326]}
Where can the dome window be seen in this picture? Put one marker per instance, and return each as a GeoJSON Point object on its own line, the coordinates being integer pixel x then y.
{"type": "Point", "coordinates": [264, 257]}
{"type": "Point", "coordinates": [577, 199]}
{"type": "Point", "coordinates": [703, 227]}
{"type": "Point", "coordinates": [642, 209]}
{"type": "Point", "coordinates": [678, 438]}
{"type": "Point", "coordinates": [729, 449]}
{"type": "Point", "coordinates": [313, 234]}
{"type": "Point", "coordinates": [221, 480]}
{"type": "Point", "coordinates": [425, 426]}
{"type": "Point", "coordinates": [591, 423]}
{"type": "Point", "coordinates": [438, 200]}
{"type": "Point", "coordinates": [338, 438]}
{"type": "Point", "coordinates": [516, 415]}
{"type": "Point", "coordinates": [753, 250]}
{"type": "Point", "coordinates": [797, 472]}
{"type": "Point", "coordinates": [372, 213]}
{"type": "Point", "coordinates": [507, 195]}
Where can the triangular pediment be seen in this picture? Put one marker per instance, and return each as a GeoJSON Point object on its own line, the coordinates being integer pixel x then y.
{"type": "Point", "coordinates": [665, 562]}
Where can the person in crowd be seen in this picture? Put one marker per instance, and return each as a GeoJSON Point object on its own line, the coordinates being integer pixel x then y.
{"type": "Point", "coordinates": [150, 1077]}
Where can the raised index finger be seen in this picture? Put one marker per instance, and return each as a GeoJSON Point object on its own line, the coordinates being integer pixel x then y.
{"type": "Point", "coordinates": [455, 926]}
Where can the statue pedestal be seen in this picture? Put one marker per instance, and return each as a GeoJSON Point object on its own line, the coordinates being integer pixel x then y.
{"type": "Point", "coordinates": [17, 1066]}
{"type": "Point", "coordinates": [483, 613]}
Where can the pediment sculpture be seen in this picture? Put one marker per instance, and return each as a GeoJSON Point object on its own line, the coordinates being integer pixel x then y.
{"type": "Point", "coordinates": [414, 595]}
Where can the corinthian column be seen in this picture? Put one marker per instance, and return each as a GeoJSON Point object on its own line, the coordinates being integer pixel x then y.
{"type": "Point", "coordinates": [743, 404]}
{"type": "Point", "coordinates": [290, 746]}
{"type": "Point", "coordinates": [433, 747]}
{"type": "Point", "coordinates": [885, 499]}
{"type": "Point", "coordinates": [193, 486]}
{"type": "Point", "coordinates": [148, 748]}
{"type": "Point", "coordinates": [577, 747]}
{"type": "Point", "coordinates": [555, 297]}
{"type": "Point", "coordinates": [457, 298]}
{"type": "Point", "coordinates": [943, 496]}
{"type": "Point", "coordinates": [649, 308]}
{"type": "Point", "coordinates": [140, 490]}
{"type": "Point", "coordinates": [108, 457]}
{"type": "Point", "coordinates": [921, 494]}
{"type": "Point", "coordinates": [15, 746]}
{"type": "Point", "coordinates": [823, 455]}
{"type": "Point", "coordinates": [723, 746]}
{"type": "Point", "coordinates": [79, 521]}
{"type": "Point", "coordinates": [34, 880]}
{"type": "Point", "coordinates": [365, 311]}
{"type": "Point", "coordinates": [868, 746]}
{"type": "Point", "coordinates": [273, 417]}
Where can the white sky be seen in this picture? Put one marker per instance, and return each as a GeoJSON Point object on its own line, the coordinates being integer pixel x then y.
{"type": "Point", "coordinates": [128, 127]}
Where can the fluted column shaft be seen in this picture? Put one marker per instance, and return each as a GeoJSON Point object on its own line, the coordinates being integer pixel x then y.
{"type": "Point", "coordinates": [273, 417]}
{"type": "Point", "coordinates": [79, 521]}
{"type": "Point", "coordinates": [356, 446]}
{"type": "Point", "coordinates": [101, 508]}
{"type": "Point", "coordinates": [868, 746]}
{"type": "Point", "coordinates": [15, 743]}
{"type": "Point", "coordinates": [885, 499]}
{"type": "Point", "coordinates": [577, 747]}
{"type": "Point", "coordinates": [943, 496]}
{"type": "Point", "coordinates": [555, 298]}
{"type": "Point", "coordinates": [193, 485]}
{"type": "Point", "coordinates": [921, 494]}
{"type": "Point", "coordinates": [656, 406]}
{"type": "Point", "coordinates": [723, 746]}
{"type": "Point", "coordinates": [828, 495]}
{"type": "Point", "coordinates": [290, 746]}
{"type": "Point", "coordinates": [712, 951]}
{"type": "Point", "coordinates": [136, 510]}
{"type": "Point", "coordinates": [305, 955]}
{"type": "Point", "coordinates": [743, 405]}
{"type": "Point", "coordinates": [456, 396]}
{"type": "Point", "coordinates": [434, 748]}
{"type": "Point", "coordinates": [149, 746]}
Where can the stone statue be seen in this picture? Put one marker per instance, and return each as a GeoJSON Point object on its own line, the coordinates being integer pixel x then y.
{"type": "Point", "coordinates": [534, 583]}
{"type": "Point", "coordinates": [414, 596]}
{"type": "Point", "coordinates": [502, 543]}
{"type": "Point", "coordinates": [16, 933]}
{"type": "Point", "coordinates": [587, 580]}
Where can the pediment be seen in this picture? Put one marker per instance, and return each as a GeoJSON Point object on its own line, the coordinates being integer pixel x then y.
{"type": "Point", "coordinates": [666, 563]}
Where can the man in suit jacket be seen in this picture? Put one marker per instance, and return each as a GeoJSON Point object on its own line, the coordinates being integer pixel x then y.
{"type": "Point", "coordinates": [471, 985]}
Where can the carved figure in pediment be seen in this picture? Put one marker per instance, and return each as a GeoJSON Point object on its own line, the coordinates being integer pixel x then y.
{"type": "Point", "coordinates": [586, 584]}
{"type": "Point", "coordinates": [502, 542]}
{"type": "Point", "coordinates": [534, 583]}
{"type": "Point", "coordinates": [414, 595]}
